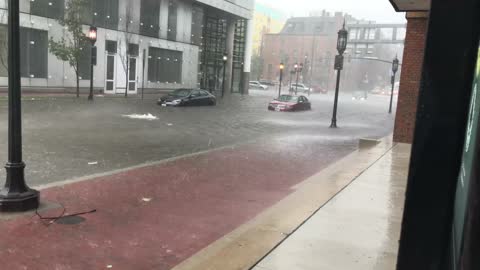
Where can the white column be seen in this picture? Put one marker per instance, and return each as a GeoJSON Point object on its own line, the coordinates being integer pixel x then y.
{"type": "Point", "coordinates": [248, 56]}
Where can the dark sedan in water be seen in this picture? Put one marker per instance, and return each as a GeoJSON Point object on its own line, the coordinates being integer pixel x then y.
{"type": "Point", "coordinates": [188, 97]}
{"type": "Point", "coordinates": [286, 103]}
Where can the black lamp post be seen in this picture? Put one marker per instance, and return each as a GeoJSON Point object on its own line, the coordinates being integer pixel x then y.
{"type": "Point", "coordinates": [225, 59]}
{"type": "Point", "coordinates": [15, 196]}
{"type": "Point", "coordinates": [92, 36]}
{"type": "Point", "coordinates": [298, 69]}
{"type": "Point", "coordinates": [292, 72]}
{"type": "Point", "coordinates": [341, 47]}
{"type": "Point", "coordinates": [282, 67]}
{"type": "Point", "coordinates": [395, 65]}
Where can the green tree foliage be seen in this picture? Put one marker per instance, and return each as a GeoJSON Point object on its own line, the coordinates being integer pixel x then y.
{"type": "Point", "coordinates": [69, 48]}
{"type": "Point", "coordinates": [257, 67]}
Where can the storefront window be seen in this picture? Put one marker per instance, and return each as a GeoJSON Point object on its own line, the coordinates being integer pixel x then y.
{"type": "Point", "coordinates": [465, 176]}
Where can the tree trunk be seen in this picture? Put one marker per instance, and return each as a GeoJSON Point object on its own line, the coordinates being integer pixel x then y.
{"type": "Point", "coordinates": [126, 77]}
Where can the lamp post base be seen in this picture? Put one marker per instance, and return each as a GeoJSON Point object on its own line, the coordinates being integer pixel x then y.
{"type": "Point", "coordinates": [333, 124]}
{"type": "Point", "coordinates": [19, 202]}
{"type": "Point", "coordinates": [16, 196]}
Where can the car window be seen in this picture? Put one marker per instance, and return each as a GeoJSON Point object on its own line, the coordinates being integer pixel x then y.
{"type": "Point", "coordinates": [203, 93]}
{"type": "Point", "coordinates": [195, 93]}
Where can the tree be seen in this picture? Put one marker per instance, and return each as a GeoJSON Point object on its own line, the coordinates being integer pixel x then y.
{"type": "Point", "coordinates": [124, 42]}
{"type": "Point", "coordinates": [257, 66]}
{"type": "Point", "coordinates": [70, 47]}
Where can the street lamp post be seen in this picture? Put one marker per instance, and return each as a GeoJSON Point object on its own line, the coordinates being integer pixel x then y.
{"type": "Point", "coordinates": [395, 65]}
{"type": "Point", "coordinates": [92, 36]}
{"type": "Point", "coordinates": [282, 67]}
{"type": "Point", "coordinates": [341, 47]}
{"type": "Point", "coordinates": [298, 69]}
{"type": "Point", "coordinates": [225, 59]}
{"type": "Point", "coordinates": [292, 72]}
{"type": "Point", "coordinates": [15, 196]}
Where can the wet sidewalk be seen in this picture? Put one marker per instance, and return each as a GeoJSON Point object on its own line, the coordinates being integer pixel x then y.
{"type": "Point", "coordinates": [358, 229]}
{"type": "Point", "coordinates": [346, 217]}
{"type": "Point", "coordinates": [223, 209]}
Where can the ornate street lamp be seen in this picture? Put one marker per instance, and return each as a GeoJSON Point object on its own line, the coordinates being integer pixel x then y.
{"type": "Point", "coordinates": [395, 65]}
{"type": "Point", "coordinates": [92, 36]}
{"type": "Point", "coordinates": [341, 47]}
{"type": "Point", "coordinates": [15, 196]}
{"type": "Point", "coordinates": [282, 67]}
{"type": "Point", "coordinates": [224, 59]}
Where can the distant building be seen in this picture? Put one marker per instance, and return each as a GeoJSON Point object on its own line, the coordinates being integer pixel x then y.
{"type": "Point", "coordinates": [312, 41]}
{"type": "Point", "coordinates": [266, 20]}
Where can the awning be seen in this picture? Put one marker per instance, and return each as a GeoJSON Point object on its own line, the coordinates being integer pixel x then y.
{"type": "Point", "coordinates": [411, 5]}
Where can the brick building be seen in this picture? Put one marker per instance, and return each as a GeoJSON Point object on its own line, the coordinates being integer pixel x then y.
{"type": "Point", "coordinates": [312, 41]}
{"type": "Point", "coordinates": [301, 40]}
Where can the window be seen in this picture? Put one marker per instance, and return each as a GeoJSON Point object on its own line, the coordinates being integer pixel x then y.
{"type": "Point", "coordinates": [172, 20]}
{"type": "Point", "coordinates": [102, 13]}
{"type": "Point", "coordinates": [111, 46]}
{"type": "Point", "coordinates": [197, 25]}
{"type": "Point", "coordinates": [48, 8]}
{"type": "Point", "coordinates": [3, 51]}
{"type": "Point", "coordinates": [164, 65]}
{"type": "Point", "coordinates": [84, 63]}
{"type": "Point", "coordinates": [150, 18]}
{"type": "Point", "coordinates": [133, 49]}
{"type": "Point", "coordinates": [33, 53]}
{"type": "Point", "coordinates": [195, 93]}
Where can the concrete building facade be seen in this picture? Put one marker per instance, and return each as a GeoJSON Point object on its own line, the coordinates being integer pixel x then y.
{"type": "Point", "coordinates": [172, 37]}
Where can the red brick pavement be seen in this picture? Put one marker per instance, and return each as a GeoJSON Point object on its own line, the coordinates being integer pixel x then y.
{"type": "Point", "coordinates": [194, 201]}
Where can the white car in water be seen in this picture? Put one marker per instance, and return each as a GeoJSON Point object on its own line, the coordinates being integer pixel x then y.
{"type": "Point", "coordinates": [301, 88]}
{"type": "Point", "coordinates": [256, 85]}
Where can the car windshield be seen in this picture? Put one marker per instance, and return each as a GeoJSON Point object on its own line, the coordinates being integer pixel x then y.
{"type": "Point", "coordinates": [287, 98]}
{"type": "Point", "coordinates": [180, 93]}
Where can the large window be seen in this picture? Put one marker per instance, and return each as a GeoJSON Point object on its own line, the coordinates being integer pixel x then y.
{"type": "Point", "coordinates": [150, 18]}
{"type": "Point", "coordinates": [33, 53]}
{"type": "Point", "coordinates": [3, 51]}
{"type": "Point", "coordinates": [48, 8]}
{"type": "Point", "coordinates": [84, 62]}
{"type": "Point", "coordinates": [172, 20]}
{"type": "Point", "coordinates": [102, 13]}
{"type": "Point", "coordinates": [164, 65]}
{"type": "Point", "coordinates": [197, 25]}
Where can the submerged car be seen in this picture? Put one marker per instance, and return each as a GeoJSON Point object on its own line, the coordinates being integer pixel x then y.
{"type": "Point", "coordinates": [286, 103]}
{"type": "Point", "coordinates": [188, 97]}
{"type": "Point", "coordinates": [301, 88]}
{"type": "Point", "coordinates": [256, 85]}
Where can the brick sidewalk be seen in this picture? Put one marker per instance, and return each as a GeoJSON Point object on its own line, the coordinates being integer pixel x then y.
{"type": "Point", "coordinates": [156, 216]}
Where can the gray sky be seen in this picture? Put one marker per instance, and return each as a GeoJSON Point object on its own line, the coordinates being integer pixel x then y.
{"type": "Point", "coordinates": [376, 10]}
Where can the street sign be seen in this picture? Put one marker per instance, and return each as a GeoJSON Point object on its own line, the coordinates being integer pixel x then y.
{"type": "Point", "coordinates": [339, 62]}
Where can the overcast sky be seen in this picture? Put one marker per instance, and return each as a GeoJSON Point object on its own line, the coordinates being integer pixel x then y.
{"type": "Point", "coordinates": [375, 10]}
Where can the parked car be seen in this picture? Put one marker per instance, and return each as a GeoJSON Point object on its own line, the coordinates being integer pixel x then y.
{"type": "Point", "coordinates": [301, 88]}
{"type": "Point", "coordinates": [188, 97]}
{"type": "Point", "coordinates": [268, 83]}
{"type": "Point", "coordinates": [289, 103]}
{"type": "Point", "coordinates": [319, 89]}
{"type": "Point", "coordinates": [256, 85]}
{"type": "Point", "coordinates": [359, 95]}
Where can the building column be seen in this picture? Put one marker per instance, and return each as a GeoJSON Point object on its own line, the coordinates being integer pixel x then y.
{"type": "Point", "coordinates": [247, 61]}
{"type": "Point", "coordinates": [229, 51]}
{"type": "Point", "coordinates": [411, 75]}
